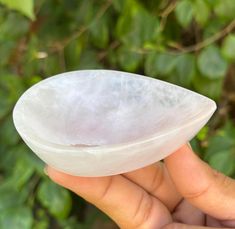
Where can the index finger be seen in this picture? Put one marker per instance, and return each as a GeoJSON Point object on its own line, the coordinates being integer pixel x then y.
{"type": "Point", "coordinates": [205, 188]}
{"type": "Point", "coordinates": [125, 202]}
{"type": "Point", "coordinates": [156, 181]}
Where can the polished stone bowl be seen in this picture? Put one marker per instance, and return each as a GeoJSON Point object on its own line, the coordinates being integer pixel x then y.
{"type": "Point", "coordinates": [104, 122]}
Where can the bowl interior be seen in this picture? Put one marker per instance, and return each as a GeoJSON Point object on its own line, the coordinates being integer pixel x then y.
{"type": "Point", "coordinates": [104, 107]}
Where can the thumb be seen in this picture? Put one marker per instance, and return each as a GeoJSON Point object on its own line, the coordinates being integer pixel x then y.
{"type": "Point", "coordinates": [203, 187]}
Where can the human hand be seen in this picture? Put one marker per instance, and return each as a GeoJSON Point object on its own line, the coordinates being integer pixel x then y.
{"type": "Point", "coordinates": [184, 192]}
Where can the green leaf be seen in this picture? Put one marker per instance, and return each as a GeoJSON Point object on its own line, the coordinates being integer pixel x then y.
{"type": "Point", "coordinates": [5, 105]}
{"type": "Point", "coordinates": [22, 172]}
{"type": "Point", "coordinates": [9, 32]}
{"type": "Point", "coordinates": [73, 53]}
{"type": "Point", "coordinates": [20, 161]}
{"type": "Point", "coordinates": [15, 218]}
{"type": "Point", "coordinates": [224, 162]}
{"type": "Point", "coordinates": [217, 144]}
{"type": "Point", "coordinates": [100, 33]}
{"type": "Point", "coordinates": [6, 50]}
{"type": "Point", "coordinates": [119, 5]}
{"type": "Point", "coordinates": [41, 224]}
{"type": "Point", "coordinates": [208, 87]}
{"type": "Point", "coordinates": [184, 69]}
{"type": "Point", "coordinates": [9, 198]}
{"type": "Point", "coordinates": [136, 26]}
{"type": "Point", "coordinates": [88, 60]}
{"type": "Point", "coordinates": [212, 2]}
{"type": "Point", "coordinates": [55, 198]}
{"type": "Point", "coordinates": [184, 12]}
{"type": "Point", "coordinates": [225, 9]}
{"type": "Point", "coordinates": [213, 27]}
{"type": "Point", "coordinates": [72, 223]}
{"type": "Point", "coordinates": [195, 144]}
{"type": "Point", "coordinates": [24, 6]}
{"type": "Point", "coordinates": [33, 80]}
{"type": "Point", "coordinates": [228, 47]}
{"type": "Point", "coordinates": [35, 162]}
{"type": "Point", "coordinates": [124, 23]}
{"type": "Point", "coordinates": [211, 63]}
{"type": "Point", "coordinates": [8, 133]}
{"type": "Point", "coordinates": [52, 65]}
{"type": "Point", "coordinates": [128, 59]}
{"type": "Point", "coordinates": [202, 135]}
{"type": "Point", "coordinates": [7, 160]}
{"type": "Point", "coordinates": [201, 12]}
{"type": "Point", "coordinates": [159, 64]}
{"type": "Point", "coordinates": [12, 86]}
{"type": "Point", "coordinates": [42, 221]}
{"type": "Point", "coordinates": [228, 130]}
{"type": "Point", "coordinates": [223, 140]}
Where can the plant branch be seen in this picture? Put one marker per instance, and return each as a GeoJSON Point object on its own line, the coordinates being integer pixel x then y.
{"type": "Point", "coordinates": [165, 14]}
{"type": "Point", "coordinates": [207, 41]}
{"type": "Point", "coordinates": [112, 46]}
{"type": "Point", "coordinates": [168, 9]}
{"type": "Point", "coordinates": [83, 29]}
{"type": "Point", "coordinates": [194, 48]}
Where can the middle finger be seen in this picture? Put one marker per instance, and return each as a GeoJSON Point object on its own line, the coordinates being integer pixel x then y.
{"type": "Point", "coordinates": [156, 181]}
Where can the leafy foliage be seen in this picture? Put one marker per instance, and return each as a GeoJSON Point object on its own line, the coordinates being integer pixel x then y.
{"type": "Point", "coordinates": [184, 12]}
{"type": "Point", "coordinates": [55, 198]}
{"type": "Point", "coordinates": [187, 42]}
{"type": "Point", "coordinates": [228, 48]}
{"type": "Point", "coordinates": [16, 218]}
{"type": "Point", "coordinates": [23, 6]}
{"type": "Point", "coordinates": [211, 64]}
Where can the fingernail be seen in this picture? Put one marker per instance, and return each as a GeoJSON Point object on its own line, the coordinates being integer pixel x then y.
{"type": "Point", "coordinates": [45, 171]}
{"type": "Point", "coordinates": [189, 146]}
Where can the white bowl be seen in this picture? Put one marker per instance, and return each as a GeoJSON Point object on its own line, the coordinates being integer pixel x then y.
{"type": "Point", "coordinates": [103, 122]}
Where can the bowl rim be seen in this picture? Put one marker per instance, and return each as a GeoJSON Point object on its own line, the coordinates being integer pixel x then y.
{"type": "Point", "coordinates": [41, 143]}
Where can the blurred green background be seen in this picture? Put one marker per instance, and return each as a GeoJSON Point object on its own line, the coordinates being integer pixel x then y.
{"type": "Point", "coordinates": [187, 42]}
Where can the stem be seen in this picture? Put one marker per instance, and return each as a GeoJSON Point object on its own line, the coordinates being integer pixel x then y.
{"type": "Point", "coordinates": [60, 46]}
{"type": "Point", "coordinates": [207, 41]}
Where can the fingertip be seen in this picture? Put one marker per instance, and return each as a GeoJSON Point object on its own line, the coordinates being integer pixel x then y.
{"type": "Point", "coordinates": [83, 186]}
{"type": "Point", "coordinates": [186, 148]}
{"type": "Point", "coordinates": [59, 177]}
{"type": "Point", "coordinates": [185, 152]}
{"type": "Point", "coordinates": [189, 173]}
{"type": "Point", "coordinates": [200, 185]}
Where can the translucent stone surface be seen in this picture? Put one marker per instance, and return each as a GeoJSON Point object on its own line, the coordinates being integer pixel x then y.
{"type": "Point", "coordinates": [103, 122]}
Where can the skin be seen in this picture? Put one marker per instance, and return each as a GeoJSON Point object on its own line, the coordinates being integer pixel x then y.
{"type": "Point", "coordinates": [183, 192]}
